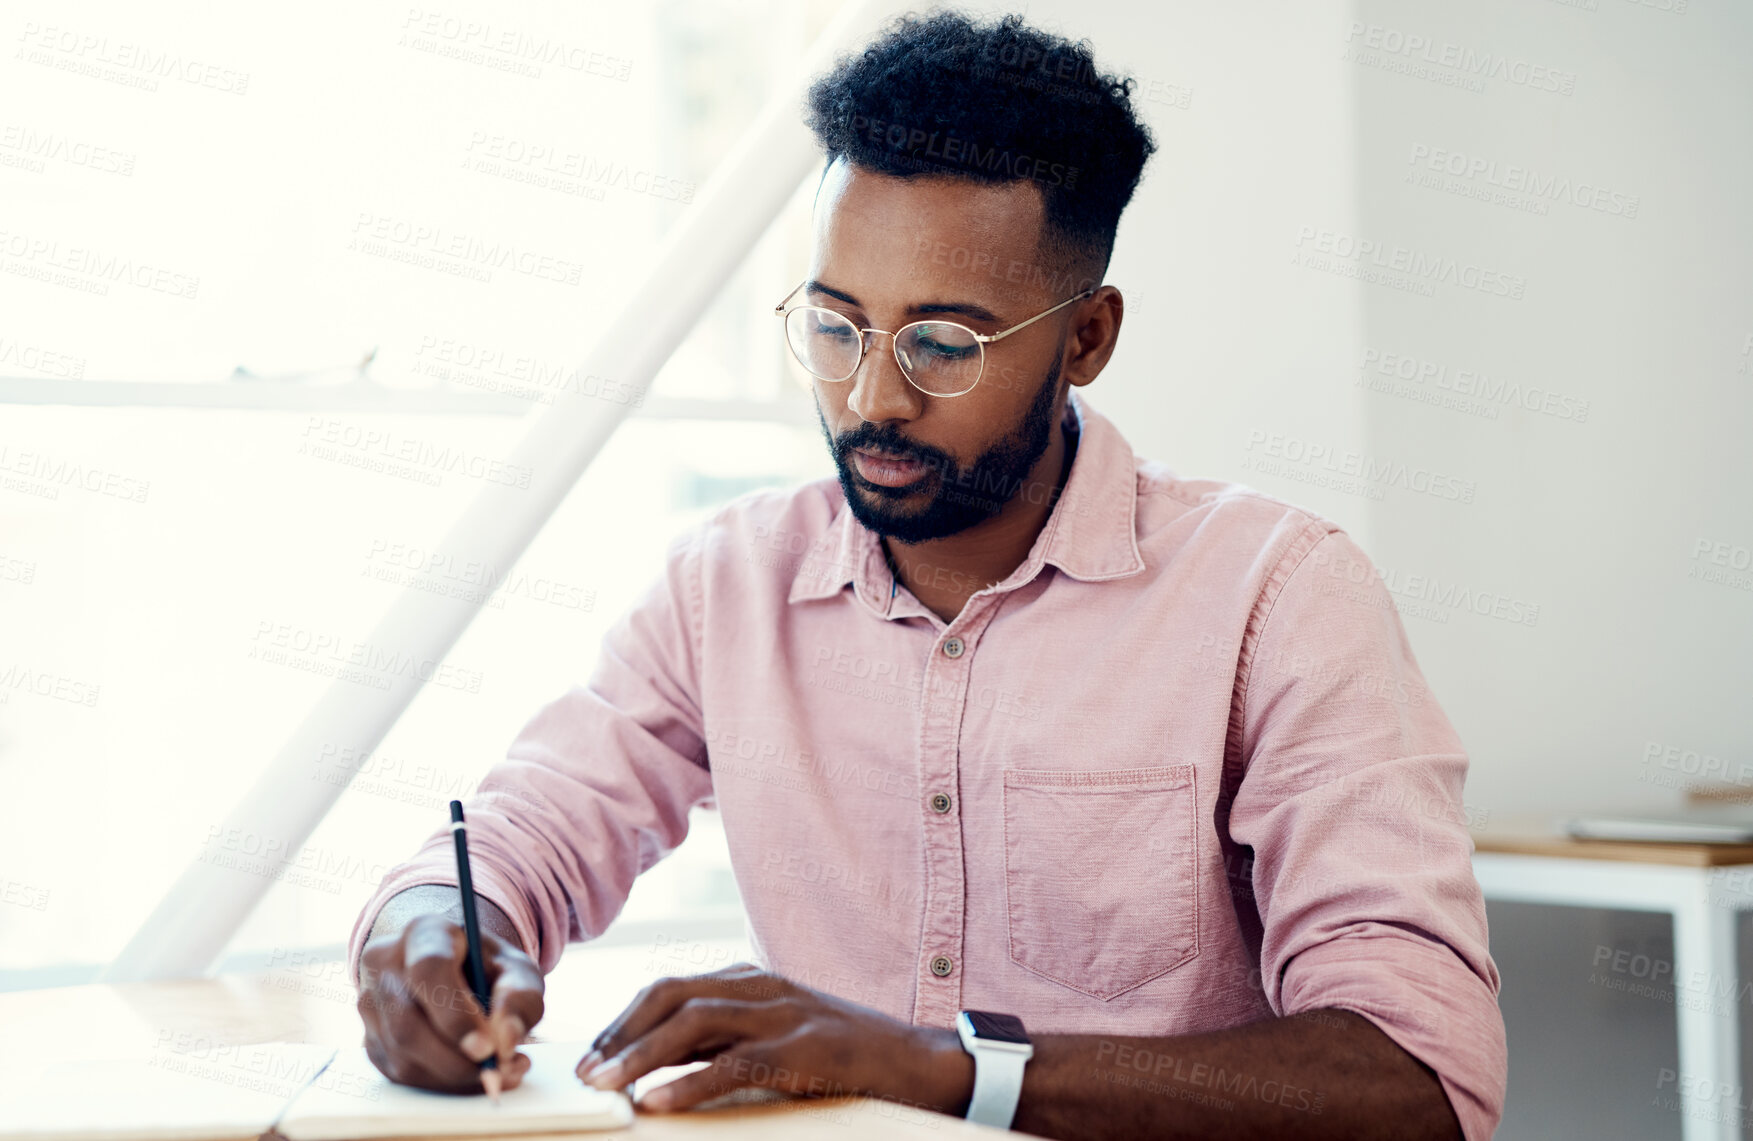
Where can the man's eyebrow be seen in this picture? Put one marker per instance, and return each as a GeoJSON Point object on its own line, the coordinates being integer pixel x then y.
{"type": "Point", "coordinates": [966, 308]}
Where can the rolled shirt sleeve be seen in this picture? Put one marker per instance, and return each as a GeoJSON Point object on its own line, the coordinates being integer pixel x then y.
{"type": "Point", "coordinates": [596, 787]}
{"type": "Point", "coordinates": [1351, 801]}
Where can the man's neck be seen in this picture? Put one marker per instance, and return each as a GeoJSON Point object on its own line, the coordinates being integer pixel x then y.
{"type": "Point", "coordinates": [944, 573]}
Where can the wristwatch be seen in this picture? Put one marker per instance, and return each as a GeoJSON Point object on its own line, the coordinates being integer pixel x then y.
{"type": "Point", "coordinates": [1001, 1048]}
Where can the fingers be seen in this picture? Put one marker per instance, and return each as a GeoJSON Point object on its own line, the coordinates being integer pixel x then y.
{"type": "Point", "coordinates": [434, 953]}
{"type": "Point", "coordinates": [502, 956]}
{"type": "Point", "coordinates": [650, 1006]}
{"type": "Point", "coordinates": [699, 1027]}
{"type": "Point", "coordinates": [424, 1025]}
{"type": "Point", "coordinates": [730, 1070]}
{"type": "Point", "coordinates": [412, 1051]}
{"type": "Point", "coordinates": [517, 1003]}
{"type": "Point", "coordinates": [506, 1031]}
{"type": "Point", "coordinates": [660, 999]}
{"type": "Point", "coordinates": [513, 1072]}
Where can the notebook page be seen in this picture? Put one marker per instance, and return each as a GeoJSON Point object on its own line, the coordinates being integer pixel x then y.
{"type": "Point", "coordinates": [353, 1100]}
{"type": "Point", "coordinates": [217, 1091]}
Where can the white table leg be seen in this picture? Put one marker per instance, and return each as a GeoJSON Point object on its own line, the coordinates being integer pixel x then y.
{"type": "Point", "coordinates": [1707, 1004]}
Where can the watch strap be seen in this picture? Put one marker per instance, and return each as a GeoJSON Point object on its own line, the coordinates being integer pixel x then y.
{"type": "Point", "coordinates": [998, 1071]}
{"type": "Point", "coordinates": [998, 1085]}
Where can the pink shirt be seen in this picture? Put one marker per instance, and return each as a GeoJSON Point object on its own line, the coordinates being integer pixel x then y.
{"type": "Point", "coordinates": [1178, 772]}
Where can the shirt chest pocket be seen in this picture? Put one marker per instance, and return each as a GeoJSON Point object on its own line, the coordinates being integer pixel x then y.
{"type": "Point", "coordinates": [1100, 868]}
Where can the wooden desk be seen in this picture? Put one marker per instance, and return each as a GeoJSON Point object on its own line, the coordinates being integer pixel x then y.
{"type": "Point", "coordinates": [1703, 887]}
{"type": "Point", "coordinates": [1527, 841]}
{"type": "Point", "coordinates": [314, 1003]}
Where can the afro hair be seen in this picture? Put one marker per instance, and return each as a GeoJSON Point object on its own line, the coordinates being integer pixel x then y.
{"type": "Point", "coordinates": [997, 102]}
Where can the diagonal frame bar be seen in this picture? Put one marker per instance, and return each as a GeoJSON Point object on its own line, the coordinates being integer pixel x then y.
{"type": "Point", "coordinates": [189, 928]}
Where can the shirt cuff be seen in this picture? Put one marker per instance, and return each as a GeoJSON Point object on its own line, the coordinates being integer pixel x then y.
{"type": "Point", "coordinates": [489, 885]}
{"type": "Point", "coordinates": [1427, 1000]}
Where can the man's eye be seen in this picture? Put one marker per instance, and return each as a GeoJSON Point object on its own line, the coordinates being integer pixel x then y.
{"type": "Point", "coordinates": [951, 347]}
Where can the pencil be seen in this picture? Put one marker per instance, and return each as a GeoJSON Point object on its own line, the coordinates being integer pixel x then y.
{"type": "Point", "coordinates": [490, 1077]}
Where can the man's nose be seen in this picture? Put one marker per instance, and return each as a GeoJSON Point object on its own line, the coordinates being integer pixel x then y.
{"type": "Point", "coordinates": [880, 390]}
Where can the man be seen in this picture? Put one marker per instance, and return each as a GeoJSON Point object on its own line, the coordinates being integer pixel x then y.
{"type": "Point", "coordinates": [1002, 720]}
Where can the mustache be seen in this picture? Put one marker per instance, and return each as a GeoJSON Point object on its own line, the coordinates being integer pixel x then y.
{"type": "Point", "coordinates": [891, 446]}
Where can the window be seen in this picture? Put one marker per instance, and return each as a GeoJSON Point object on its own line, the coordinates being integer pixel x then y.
{"type": "Point", "coordinates": [233, 253]}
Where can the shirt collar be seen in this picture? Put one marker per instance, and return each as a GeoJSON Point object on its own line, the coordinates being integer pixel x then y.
{"type": "Point", "coordinates": [1091, 534]}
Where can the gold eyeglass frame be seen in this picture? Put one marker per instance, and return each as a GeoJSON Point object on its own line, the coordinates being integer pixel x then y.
{"type": "Point", "coordinates": [981, 339]}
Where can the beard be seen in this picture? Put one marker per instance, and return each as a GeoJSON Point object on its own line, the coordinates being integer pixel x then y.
{"type": "Point", "coordinates": [960, 497]}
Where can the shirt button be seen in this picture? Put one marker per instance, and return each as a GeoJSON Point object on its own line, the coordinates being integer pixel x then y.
{"type": "Point", "coordinates": [952, 647]}
{"type": "Point", "coordinates": [942, 966]}
{"type": "Point", "coordinates": [940, 802]}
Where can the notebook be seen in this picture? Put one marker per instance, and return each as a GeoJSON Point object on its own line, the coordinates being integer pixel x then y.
{"type": "Point", "coordinates": [297, 1090]}
{"type": "Point", "coordinates": [350, 1098]}
{"type": "Point", "coordinates": [200, 1093]}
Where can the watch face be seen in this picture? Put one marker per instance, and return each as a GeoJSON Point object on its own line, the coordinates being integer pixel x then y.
{"type": "Point", "coordinates": [997, 1027]}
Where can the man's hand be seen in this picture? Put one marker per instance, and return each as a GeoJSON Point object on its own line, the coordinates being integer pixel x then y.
{"type": "Point", "coordinates": [758, 1029]}
{"type": "Point", "coordinates": [423, 1026]}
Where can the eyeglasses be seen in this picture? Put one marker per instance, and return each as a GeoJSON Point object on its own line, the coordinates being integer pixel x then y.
{"type": "Point", "coordinates": [940, 358]}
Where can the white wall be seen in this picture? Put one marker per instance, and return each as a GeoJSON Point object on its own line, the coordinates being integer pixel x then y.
{"type": "Point", "coordinates": [1271, 128]}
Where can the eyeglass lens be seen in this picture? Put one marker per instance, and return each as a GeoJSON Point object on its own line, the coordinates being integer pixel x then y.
{"type": "Point", "coordinates": [942, 358]}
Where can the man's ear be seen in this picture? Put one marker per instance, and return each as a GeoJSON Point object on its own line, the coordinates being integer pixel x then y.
{"type": "Point", "coordinates": [1092, 360]}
